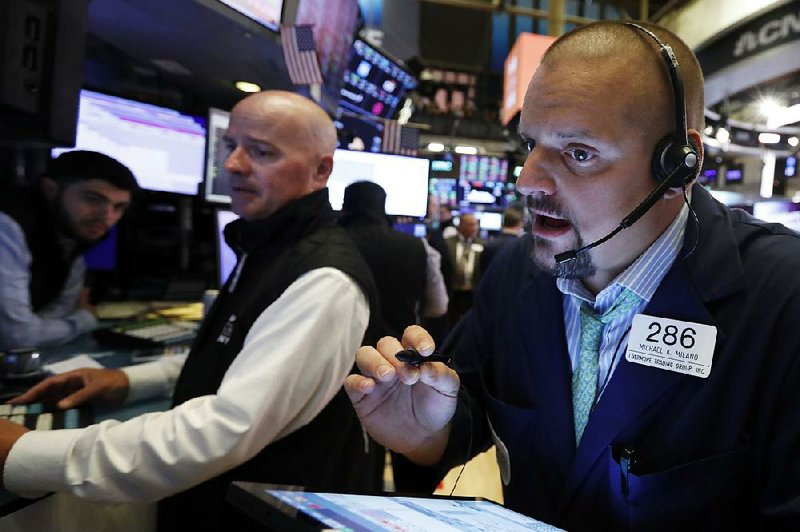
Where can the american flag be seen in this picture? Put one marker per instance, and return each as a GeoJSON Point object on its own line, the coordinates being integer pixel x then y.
{"type": "Point", "coordinates": [399, 139]}
{"type": "Point", "coordinates": [300, 54]}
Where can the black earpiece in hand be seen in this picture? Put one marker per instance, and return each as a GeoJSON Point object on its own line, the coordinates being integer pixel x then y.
{"type": "Point", "coordinates": [412, 356]}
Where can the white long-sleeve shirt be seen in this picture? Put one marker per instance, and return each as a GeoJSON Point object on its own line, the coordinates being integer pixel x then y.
{"type": "Point", "coordinates": [293, 361]}
{"type": "Point", "coordinates": [60, 321]}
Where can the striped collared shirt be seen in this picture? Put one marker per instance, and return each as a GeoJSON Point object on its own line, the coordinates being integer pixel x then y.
{"type": "Point", "coordinates": [641, 277]}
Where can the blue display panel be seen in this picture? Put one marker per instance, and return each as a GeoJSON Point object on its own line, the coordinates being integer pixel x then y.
{"type": "Point", "coordinates": [373, 83]}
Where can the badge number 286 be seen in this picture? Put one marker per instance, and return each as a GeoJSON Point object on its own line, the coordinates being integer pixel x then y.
{"type": "Point", "coordinates": [672, 345]}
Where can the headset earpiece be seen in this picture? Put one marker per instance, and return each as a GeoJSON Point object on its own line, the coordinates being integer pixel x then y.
{"type": "Point", "coordinates": [669, 155]}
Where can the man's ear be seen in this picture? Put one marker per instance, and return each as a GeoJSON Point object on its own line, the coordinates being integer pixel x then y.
{"type": "Point", "coordinates": [49, 188]}
{"type": "Point", "coordinates": [324, 169]}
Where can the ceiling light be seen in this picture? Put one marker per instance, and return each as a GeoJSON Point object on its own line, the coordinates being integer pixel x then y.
{"type": "Point", "coordinates": [723, 135]}
{"type": "Point", "coordinates": [435, 146]}
{"type": "Point", "coordinates": [769, 138]}
{"type": "Point", "coordinates": [466, 150]}
{"type": "Point", "coordinates": [769, 107]}
{"type": "Point", "coordinates": [246, 86]}
{"type": "Point", "coordinates": [793, 141]}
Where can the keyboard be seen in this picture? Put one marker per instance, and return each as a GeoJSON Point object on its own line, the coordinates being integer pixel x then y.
{"type": "Point", "coordinates": [37, 416]}
{"type": "Point", "coordinates": [148, 333]}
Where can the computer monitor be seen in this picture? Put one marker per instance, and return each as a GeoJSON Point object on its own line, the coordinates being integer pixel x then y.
{"type": "Point", "coordinates": [483, 180]}
{"type": "Point", "coordinates": [444, 191]}
{"type": "Point", "coordinates": [265, 12]}
{"type": "Point", "coordinates": [708, 176]}
{"type": "Point", "coordinates": [373, 82]}
{"type": "Point", "coordinates": [484, 168]}
{"type": "Point", "coordinates": [226, 258]}
{"type": "Point", "coordinates": [215, 179]}
{"type": "Point", "coordinates": [405, 179]}
{"type": "Point", "coordinates": [734, 174]}
{"type": "Point", "coordinates": [441, 165]}
{"type": "Point", "coordinates": [163, 148]}
{"type": "Point", "coordinates": [490, 220]}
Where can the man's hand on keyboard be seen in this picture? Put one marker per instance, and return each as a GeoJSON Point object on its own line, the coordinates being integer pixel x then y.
{"type": "Point", "coordinates": [10, 432]}
{"type": "Point", "coordinates": [77, 387]}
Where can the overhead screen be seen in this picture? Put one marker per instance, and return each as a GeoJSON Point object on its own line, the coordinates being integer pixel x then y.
{"type": "Point", "coordinates": [471, 180]}
{"type": "Point", "coordinates": [265, 12]}
{"type": "Point", "coordinates": [373, 83]}
{"type": "Point", "coordinates": [162, 147]}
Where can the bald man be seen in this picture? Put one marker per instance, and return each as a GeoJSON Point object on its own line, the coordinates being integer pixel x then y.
{"type": "Point", "coordinates": [259, 396]}
{"type": "Point", "coordinates": [646, 381]}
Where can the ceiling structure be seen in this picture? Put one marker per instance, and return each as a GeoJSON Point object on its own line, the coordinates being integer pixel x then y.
{"type": "Point", "coordinates": [199, 47]}
{"type": "Point", "coordinates": [187, 53]}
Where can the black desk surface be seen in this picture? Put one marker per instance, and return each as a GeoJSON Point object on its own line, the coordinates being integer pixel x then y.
{"type": "Point", "coordinates": [110, 358]}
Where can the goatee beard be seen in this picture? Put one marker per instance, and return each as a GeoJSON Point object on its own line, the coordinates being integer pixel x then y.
{"type": "Point", "coordinates": [579, 268]}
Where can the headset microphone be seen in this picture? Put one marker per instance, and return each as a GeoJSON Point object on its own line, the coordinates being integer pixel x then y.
{"type": "Point", "coordinates": [675, 159]}
{"type": "Point", "coordinates": [638, 212]}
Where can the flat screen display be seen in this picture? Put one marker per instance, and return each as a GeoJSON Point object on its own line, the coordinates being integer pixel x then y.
{"type": "Point", "coordinates": [483, 168]}
{"type": "Point", "coordinates": [491, 221]}
{"type": "Point", "coordinates": [444, 191]}
{"type": "Point", "coordinates": [265, 12]}
{"type": "Point", "coordinates": [215, 183]}
{"type": "Point", "coordinates": [441, 165]}
{"type": "Point", "coordinates": [405, 179]}
{"type": "Point", "coordinates": [734, 174]}
{"type": "Point", "coordinates": [708, 176]}
{"type": "Point", "coordinates": [483, 180]}
{"type": "Point", "coordinates": [282, 509]}
{"type": "Point", "coordinates": [165, 149]}
{"type": "Point", "coordinates": [373, 83]}
{"type": "Point", "coordinates": [226, 258]}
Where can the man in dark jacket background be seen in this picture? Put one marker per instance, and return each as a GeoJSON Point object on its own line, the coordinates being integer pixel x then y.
{"type": "Point", "coordinates": [408, 288]}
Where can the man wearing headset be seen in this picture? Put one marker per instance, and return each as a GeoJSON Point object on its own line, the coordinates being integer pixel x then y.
{"type": "Point", "coordinates": [644, 382]}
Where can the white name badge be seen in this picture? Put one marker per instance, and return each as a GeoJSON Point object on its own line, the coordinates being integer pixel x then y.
{"type": "Point", "coordinates": [680, 346]}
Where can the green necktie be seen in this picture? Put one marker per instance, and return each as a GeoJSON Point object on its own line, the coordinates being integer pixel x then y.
{"type": "Point", "coordinates": [584, 380]}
